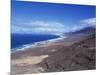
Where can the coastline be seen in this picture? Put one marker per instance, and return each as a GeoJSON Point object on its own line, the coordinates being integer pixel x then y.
{"type": "Point", "coordinates": [37, 44]}
{"type": "Point", "coordinates": [48, 56]}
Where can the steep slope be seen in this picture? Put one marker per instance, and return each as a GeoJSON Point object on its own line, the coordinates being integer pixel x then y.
{"type": "Point", "coordinates": [82, 32]}
{"type": "Point", "coordinates": [79, 56]}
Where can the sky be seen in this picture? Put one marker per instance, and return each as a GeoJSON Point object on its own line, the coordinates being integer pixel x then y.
{"type": "Point", "coordinates": [50, 18]}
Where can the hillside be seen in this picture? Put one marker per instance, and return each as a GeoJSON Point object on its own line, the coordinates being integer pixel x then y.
{"type": "Point", "coordinates": [75, 52]}
{"type": "Point", "coordinates": [79, 56]}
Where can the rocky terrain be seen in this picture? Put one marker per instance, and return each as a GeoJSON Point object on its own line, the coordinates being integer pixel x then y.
{"type": "Point", "coordinates": [69, 54]}
{"type": "Point", "coordinates": [78, 56]}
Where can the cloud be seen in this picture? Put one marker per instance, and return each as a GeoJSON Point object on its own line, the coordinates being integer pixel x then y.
{"type": "Point", "coordinates": [89, 21]}
{"type": "Point", "coordinates": [84, 23]}
{"type": "Point", "coordinates": [39, 27]}
{"type": "Point", "coordinates": [43, 27]}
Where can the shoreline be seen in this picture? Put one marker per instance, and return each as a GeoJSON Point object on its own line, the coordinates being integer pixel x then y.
{"type": "Point", "coordinates": [49, 57]}
{"type": "Point", "coordinates": [36, 44]}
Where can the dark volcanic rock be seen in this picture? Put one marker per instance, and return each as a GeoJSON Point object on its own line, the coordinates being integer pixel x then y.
{"type": "Point", "coordinates": [79, 56]}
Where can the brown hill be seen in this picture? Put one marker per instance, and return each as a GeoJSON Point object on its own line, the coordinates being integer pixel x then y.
{"type": "Point", "coordinates": [78, 56]}
{"type": "Point", "coordinates": [69, 54]}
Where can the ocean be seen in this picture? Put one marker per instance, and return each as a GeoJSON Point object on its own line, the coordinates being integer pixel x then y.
{"type": "Point", "coordinates": [22, 40]}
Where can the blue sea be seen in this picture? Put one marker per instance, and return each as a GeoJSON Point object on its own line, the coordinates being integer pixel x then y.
{"type": "Point", "coordinates": [20, 40]}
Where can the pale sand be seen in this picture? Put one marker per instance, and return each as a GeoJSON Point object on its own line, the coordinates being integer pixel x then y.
{"type": "Point", "coordinates": [29, 60]}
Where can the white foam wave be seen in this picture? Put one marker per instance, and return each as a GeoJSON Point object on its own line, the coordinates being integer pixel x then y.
{"type": "Point", "coordinates": [32, 45]}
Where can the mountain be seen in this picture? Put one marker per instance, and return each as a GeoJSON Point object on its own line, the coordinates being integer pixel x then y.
{"type": "Point", "coordinates": [78, 56]}
{"type": "Point", "coordinates": [85, 31]}
{"type": "Point", "coordinates": [76, 52]}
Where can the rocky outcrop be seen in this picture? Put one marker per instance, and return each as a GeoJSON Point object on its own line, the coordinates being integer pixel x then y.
{"type": "Point", "coordinates": [79, 56]}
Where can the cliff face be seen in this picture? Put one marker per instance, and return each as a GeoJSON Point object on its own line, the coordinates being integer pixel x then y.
{"type": "Point", "coordinates": [78, 56]}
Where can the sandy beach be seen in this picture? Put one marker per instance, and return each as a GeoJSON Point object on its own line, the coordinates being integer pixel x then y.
{"type": "Point", "coordinates": [48, 56]}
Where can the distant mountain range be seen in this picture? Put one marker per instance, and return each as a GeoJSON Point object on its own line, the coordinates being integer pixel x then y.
{"type": "Point", "coordinates": [85, 31]}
